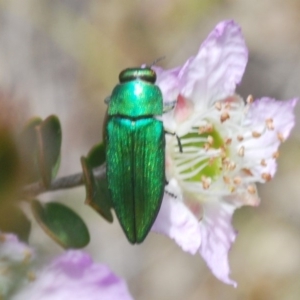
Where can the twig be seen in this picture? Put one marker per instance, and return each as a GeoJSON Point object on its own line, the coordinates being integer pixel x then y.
{"type": "Point", "coordinates": [65, 182]}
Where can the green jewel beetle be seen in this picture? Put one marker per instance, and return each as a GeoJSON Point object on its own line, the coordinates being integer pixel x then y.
{"type": "Point", "coordinates": [135, 151]}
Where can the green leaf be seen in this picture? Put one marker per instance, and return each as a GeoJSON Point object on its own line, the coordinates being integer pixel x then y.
{"type": "Point", "coordinates": [9, 165]}
{"type": "Point", "coordinates": [97, 193]}
{"type": "Point", "coordinates": [62, 224]}
{"type": "Point", "coordinates": [29, 149]}
{"type": "Point", "coordinates": [96, 156]}
{"type": "Point", "coordinates": [49, 140]}
{"type": "Point", "coordinates": [13, 220]}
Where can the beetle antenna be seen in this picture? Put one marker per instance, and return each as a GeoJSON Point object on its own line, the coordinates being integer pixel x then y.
{"type": "Point", "coordinates": [156, 61]}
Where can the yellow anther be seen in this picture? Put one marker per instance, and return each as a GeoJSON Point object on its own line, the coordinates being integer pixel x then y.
{"type": "Point", "coordinates": [256, 134]}
{"type": "Point", "coordinates": [249, 99]}
{"type": "Point", "coordinates": [263, 162]}
{"type": "Point", "coordinates": [269, 123]}
{"type": "Point", "coordinates": [218, 105]}
{"type": "Point", "coordinates": [226, 179]}
{"type": "Point", "coordinates": [240, 138]}
{"type": "Point", "coordinates": [228, 141]}
{"type": "Point", "coordinates": [224, 116]}
{"type": "Point", "coordinates": [275, 155]}
{"type": "Point", "coordinates": [210, 139]}
{"type": "Point", "coordinates": [206, 181]}
{"type": "Point", "coordinates": [237, 180]}
{"type": "Point", "coordinates": [266, 176]}
{"type": "Point", "coordinates": [280, 137]}
{"type": "Point", "coordinates": [251, 189]}
{"type": "Point", "coordinates": [241, 151]}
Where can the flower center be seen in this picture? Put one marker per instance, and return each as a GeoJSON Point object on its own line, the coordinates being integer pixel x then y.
{"type": "Point", "coordinates": [199, 159]}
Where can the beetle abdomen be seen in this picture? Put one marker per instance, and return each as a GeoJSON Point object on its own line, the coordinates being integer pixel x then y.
{"type": "Point", "coordinates": [135, 172]}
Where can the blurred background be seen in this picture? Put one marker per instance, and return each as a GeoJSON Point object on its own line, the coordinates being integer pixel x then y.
{"type": "Point", "coordinates": [63, 57]}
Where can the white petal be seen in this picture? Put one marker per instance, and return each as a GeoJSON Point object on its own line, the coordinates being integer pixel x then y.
{"type": "Point", "coordinates": [176, 221]}
{"type": "Point", "coordinates": [218, 67]}
{"type": "Point", "coordinates": [167, 80]}
{"type": "Point", "coordinates": [217, 237]}
{"type": "Point", "coordinates": [282, 114]}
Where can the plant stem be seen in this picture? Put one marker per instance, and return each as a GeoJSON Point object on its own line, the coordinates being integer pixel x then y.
{"type": "Point", "coordinates": [65, 182]}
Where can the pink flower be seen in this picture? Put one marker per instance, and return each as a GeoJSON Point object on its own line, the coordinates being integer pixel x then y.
{"type": "Point", "coordinates": [15, 260]}
{"type": "Point", "coordinates": [75, 276]}
{"type": "Point", "coordinates": [228, 145]}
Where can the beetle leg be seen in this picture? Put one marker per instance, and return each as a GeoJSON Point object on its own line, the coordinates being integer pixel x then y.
{"type": "Point", "coordinates": [178, 140]}
{"type": "Point", "coordinates": [179, 143]}
{"type": "Point", "coordinates": [170, 194]}
{"type": "Point", "coordinates": [169, 106]}
{"type": "Point", "coordinates": [107, 100]}
{"type": "Point", "coordinates": [167, 192]}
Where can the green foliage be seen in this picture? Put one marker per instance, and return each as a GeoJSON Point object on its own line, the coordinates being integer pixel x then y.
{"type": "Point", "coordinates": [9, 166]}
{"type": "Point", "coordinates": [49, 140]}
{"type": "Point", "coordinates": [40, 144]}
{"type": "Point", "coordinates": [13, 219]}
{"type": "Point", "coordinates": [39, 148]}
{"type": "Point", "coordinates": [62, 224]}
{"type": "Point", "coordinates": [29, 150]}
{"type": "Point", "coordinates": [96, 156]}
{"type": "Point", "coordinates": [97, 194]}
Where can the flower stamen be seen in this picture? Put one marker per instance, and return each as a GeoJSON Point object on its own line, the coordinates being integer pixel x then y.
{"type": "Point", "coordinates": [280, 137]}
{"type": "Point", "coordinates": [206, 128]}
{"type": "Point", "coordinates": [218, 105]}
{"type": "Point", "coordinates": [210, 140]}
{"type": "Point", "coordinates": [266, 176]}
{"type": "Point", "coordinates": [249, 99]}
{"type": "Point", "coordinates": [206, 181]}
{"type": "Point", "coordinates": [228, 105]}
{"type": "Point", "coordinates": [232, 166]}
{"type": "Point", "coordinates": [240, 138]}
{"type": "Point", "coordinates": [211, 161]}
{"type": "Point", "coordinates": [237, 180]}
{"type": "Point", "coordinates": [256, 134]}
{"type": "Point", "coordinates": [226, 179]}
{"type": "Point", "coordinates": [269, 123]}
{"type": "Point", "coordinates": [224, 116]}
{"type": "Point", "coordinates": [228, 141]}
{"type": "Point", "coordinates": [263, 163]}
{"type": "Point", "coordinates": [241, 151]}
{"type": "Point", "coordinates": [251, 189]}
{"type": "Point", "coordinates": [247, 172]}
{"type": "Point", "coordinates": [206, 146]}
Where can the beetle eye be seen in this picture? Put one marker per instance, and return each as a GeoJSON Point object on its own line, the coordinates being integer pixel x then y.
{"type": "Point", "coordinates": [145, 74]}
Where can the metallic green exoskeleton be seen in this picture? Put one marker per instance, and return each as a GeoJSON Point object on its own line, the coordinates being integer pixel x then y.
{"type": "Point", "coordinates": [135, 151]}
